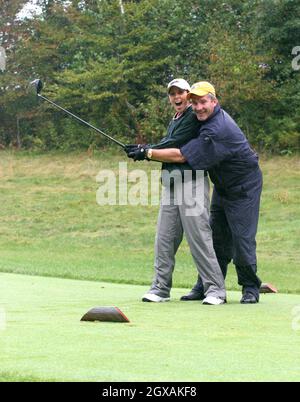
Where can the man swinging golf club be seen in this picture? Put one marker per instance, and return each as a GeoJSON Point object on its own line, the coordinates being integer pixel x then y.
{"type": "Point", "coordinates": [178, 134]}
{"type": "Point", "coordinates": [174, 217]}
{"type": "Point", "coordinates": [223, 150]}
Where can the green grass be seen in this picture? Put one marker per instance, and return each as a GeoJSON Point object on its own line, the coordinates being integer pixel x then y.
{"type": "Point", "coordinates": [44, 339]}
{"type": "Point", "coordinates": [51, 224]}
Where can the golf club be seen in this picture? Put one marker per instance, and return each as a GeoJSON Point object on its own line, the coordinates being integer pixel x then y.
{"type": "Point", "coordinates": [38, 85]}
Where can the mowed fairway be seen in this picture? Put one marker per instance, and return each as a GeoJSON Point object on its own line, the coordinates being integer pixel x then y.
{"type": "Point", "coordinates": [44, 339]}
{"type": "Point", "coordinates": [62, 254]}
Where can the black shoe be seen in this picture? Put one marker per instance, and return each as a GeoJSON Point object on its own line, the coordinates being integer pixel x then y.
{"type": "Point", "coordinates": [249, 298]}
{"type": "Point", "coordinates": [193, 295]}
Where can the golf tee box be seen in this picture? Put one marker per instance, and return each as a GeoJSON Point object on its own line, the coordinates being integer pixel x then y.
{"type": "Point", "coordinates": [111, 314]}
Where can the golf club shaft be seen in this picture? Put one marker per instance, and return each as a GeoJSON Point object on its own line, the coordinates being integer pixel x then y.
{"type": "Point", "coordinates": [82, 121]}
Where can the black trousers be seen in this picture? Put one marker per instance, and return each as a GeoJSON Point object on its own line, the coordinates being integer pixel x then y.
{"type": "Point", "coordinates": [234, 220]}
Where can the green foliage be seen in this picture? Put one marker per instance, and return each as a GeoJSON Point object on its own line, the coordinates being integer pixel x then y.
{"type": "Point", "coordinates": [279, 26]}
{"type": "Point", "coordinates": [111, 68]}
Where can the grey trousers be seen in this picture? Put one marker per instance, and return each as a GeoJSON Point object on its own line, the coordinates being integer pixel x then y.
{"type": "Point", "coordinates": [185, 209]}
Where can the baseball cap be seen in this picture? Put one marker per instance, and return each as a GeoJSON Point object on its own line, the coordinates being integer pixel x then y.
{"type": "Point", "coordinates": [179, 83]}
{"type": "Point", "coordinates": [202, 88]}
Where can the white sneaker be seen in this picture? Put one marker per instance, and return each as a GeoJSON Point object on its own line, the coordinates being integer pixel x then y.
{"type": "Point", "coordinates": [213, 301]}
{"type": "Point", "coordinates": [151, 297]}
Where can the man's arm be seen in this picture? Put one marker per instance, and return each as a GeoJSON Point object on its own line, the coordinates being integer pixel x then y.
{"type": "Point", "coordinates": [170, 155]}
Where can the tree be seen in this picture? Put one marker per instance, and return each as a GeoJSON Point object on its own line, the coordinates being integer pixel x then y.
{"type": "Point", "coordinates": [10, 29]}
{"type": "Point", "coordinates": [110, 62]}
{"type": "Point", "coordinates": [279, 25]}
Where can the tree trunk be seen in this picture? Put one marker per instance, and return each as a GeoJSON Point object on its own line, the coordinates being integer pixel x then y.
{"type": "Point", "coordinates": [18, 133]}
{"type": "Point", "coordinates": [122, 7]}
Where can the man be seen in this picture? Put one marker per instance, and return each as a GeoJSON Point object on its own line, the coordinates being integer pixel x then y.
{"type": "Point", "coordinates": [223, 150]}
{"type": "Point", "coordinates": [179, 182]}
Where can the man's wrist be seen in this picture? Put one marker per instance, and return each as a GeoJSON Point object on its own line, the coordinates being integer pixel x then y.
{"type": "Point", "coordinates": [149, 153]}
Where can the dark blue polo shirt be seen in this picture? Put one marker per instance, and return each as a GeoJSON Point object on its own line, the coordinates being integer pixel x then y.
{"type": "Point", "coordinates": [222, 148]}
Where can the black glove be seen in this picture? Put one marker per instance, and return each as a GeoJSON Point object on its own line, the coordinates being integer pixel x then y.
{"type": "Point", "coordinates": [130, 148]}
{"type": "Point", "coordinates": [140, 153]}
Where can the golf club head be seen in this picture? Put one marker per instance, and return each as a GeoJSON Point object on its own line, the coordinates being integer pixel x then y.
{"type": "Point", "coordinates": [37, 85]}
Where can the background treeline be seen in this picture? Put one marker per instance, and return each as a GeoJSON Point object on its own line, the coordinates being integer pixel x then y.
{"type": "Point", "coordinates": [109, 62]}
